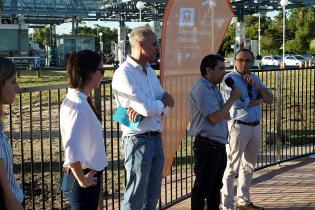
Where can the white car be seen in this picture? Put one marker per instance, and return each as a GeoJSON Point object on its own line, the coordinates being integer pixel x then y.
{"type": "Point", "coordinates": [294, 60]}
{"type": "Point", "coordinates": [271, 60]}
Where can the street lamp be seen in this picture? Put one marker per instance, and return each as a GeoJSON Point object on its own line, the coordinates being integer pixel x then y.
{"type": "Point", "coordinates": [212, 5]}
{"type": "Point", "coordinates": [283, 4]}
{"type": "Point", "coordinates": [259, 34]}
{"type": "Point", "coordinates": [140, 6]}
{"type": "Point", "coordinates": [101, 42]}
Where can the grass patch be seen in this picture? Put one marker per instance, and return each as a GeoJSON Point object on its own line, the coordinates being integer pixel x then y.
{"type": "Point", "coordinates": [30, 78]}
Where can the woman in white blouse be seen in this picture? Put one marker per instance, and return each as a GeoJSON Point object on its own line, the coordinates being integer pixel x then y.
{"type": "Point", "coordinates": [12, 195]}
{"type": "Point", "coordinates": [81, 132]}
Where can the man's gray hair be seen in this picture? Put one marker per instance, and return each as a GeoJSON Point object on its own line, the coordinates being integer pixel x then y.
{"type": "Point", "coordinates": [139, 34]}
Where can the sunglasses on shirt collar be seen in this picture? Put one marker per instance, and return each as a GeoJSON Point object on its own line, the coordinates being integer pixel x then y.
{"type": "Point", "coordinates": [249, 91]}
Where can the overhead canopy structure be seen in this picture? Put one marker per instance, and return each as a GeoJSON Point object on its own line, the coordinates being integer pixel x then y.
{"type": "Point", "coordinates": [58, 11]}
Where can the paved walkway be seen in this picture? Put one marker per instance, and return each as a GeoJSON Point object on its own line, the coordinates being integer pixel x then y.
{"type": "Point", "coordinates": [290, 185]}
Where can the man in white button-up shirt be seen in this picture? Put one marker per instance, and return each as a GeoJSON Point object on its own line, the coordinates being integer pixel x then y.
{"type": "Point", "coordinates": [138, 89]}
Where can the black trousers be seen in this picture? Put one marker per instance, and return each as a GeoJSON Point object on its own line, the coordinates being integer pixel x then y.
{"type": "Point", "coordinates": [210, 162]}
{"type": "Point", "coordinates": [2, 205]}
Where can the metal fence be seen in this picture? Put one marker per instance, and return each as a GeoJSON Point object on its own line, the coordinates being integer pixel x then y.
{"type": "Point", "coordinates": [33, 129]}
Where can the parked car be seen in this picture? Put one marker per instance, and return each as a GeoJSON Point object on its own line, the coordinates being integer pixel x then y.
{"type": "Point", "coordinates": [271, 60]}
{"type": "Point", "coordinates": [294, 60]}
{"type": "Point", "coordinates": [309, 57]}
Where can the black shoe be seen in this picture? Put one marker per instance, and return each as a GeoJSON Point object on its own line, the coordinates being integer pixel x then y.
{"type": "Point", "coordinates": [249, 206]}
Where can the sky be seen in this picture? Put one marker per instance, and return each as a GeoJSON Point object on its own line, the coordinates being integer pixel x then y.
{"type": "Point", "coordinates": [65, 28]}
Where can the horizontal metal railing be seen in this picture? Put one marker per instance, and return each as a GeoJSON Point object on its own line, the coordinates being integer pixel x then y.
{"type": "Point", "coordinates": [33, 128]}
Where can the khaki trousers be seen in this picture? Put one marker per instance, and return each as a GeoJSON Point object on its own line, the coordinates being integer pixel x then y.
{"type": "Point", "coordinates": [242, 151]}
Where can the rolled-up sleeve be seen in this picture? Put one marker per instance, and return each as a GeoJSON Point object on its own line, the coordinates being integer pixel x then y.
{"type": "Point", "coordinates": [129, 93]}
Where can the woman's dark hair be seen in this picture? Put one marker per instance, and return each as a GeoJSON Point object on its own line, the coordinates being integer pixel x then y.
{"type": "Point", "coordinates": [209, 61]}
{"type": "Point", "coordinates": [80, 66]}
{"type": "Point", "coordinates": [7, 70]}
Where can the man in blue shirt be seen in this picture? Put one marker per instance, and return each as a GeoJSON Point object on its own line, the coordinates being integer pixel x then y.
{"type": "Point", "coordinates": [208, 114]}
{"type": "Point", "coordinates": [244, 131]}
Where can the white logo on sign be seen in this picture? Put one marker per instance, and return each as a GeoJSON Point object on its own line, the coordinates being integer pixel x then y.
{"type": "Point", "coordinates": [208, 14]}
{"type": "Point", "coordinates": [186, 17]}
{"type": "Point", "coordinates": [180, 56]}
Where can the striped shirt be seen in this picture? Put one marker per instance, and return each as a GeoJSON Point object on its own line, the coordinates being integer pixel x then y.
{"type": "Point", "coordinates": [6, 154]}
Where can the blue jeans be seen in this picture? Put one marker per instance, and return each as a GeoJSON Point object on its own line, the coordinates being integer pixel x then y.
{"type": "Point", "coordinates": [144, 161]}
{"type": "Point", "coordinates": [81, 198]}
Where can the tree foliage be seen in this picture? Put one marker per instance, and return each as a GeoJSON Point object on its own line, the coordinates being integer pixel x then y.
{"type": "Point", "coordinates": [108, 36]}
{"type": "Point", "coordinates": [299, 32]}
{"type": "Point", "coordinates": [301, 23]}
{"type": "Point", "coordinates": [229, 40]}
{"type": "Point", "coordinates": [41, 36]}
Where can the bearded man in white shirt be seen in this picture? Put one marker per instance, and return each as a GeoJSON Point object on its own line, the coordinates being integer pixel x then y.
{"type": "Point", "coordinates": [138, 89]}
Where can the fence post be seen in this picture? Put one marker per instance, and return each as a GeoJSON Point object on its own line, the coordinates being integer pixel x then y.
{"type": "Point", "coordinates": [18, 72]}
{"type": "Point", "coordinates": [38, 72]}
{"type": "Point", "coordinates": [98, 106]}
{"type": "Point", "coordinates": [279, 114]}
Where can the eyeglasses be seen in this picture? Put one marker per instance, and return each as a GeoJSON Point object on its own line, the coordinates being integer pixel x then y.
{"type": "Point", "coordinates": [244, 60]}
{"type": "Point", "coordinates": [102, 70]}
{"type": "Point", "coordinates": [249, 91]}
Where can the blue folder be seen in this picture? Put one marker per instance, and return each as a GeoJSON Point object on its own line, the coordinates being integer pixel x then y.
{"type": "Point", "coordinates": [121, 116]}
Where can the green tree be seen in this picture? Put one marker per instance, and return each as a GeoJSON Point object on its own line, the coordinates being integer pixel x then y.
{"type": "Point", "coordinates": [229, 39]}
{"type": "Point", "coordinates": [108, 37]}
{"type": "Point", "coordinates": [41, 36]}
{"type": "Point", "coordinates": [271, 42]}
{"type": "Point", "coordinates": [300, 24]}
{"type": "Point", "coordinates": [251, 27]}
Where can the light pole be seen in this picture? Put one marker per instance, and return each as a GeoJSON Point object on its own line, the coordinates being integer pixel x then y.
{"type": "Point", "coordinates": [212, 5]}
{"type": "Point", "coordinates": [101, 42]}
{"type": "Point", "coordinates": [140, 6]}
{"type": "Point", "coordinates": [283, 4]}
{"type": "Point", "coordinates": [259, 34]}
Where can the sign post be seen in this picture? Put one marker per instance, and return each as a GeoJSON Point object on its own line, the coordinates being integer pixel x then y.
{"type": "Point", "coordinates": [191, 29]}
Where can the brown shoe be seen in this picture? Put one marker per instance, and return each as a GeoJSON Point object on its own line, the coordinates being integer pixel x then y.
{"type": "Point", "coordinates": [249, 206]}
